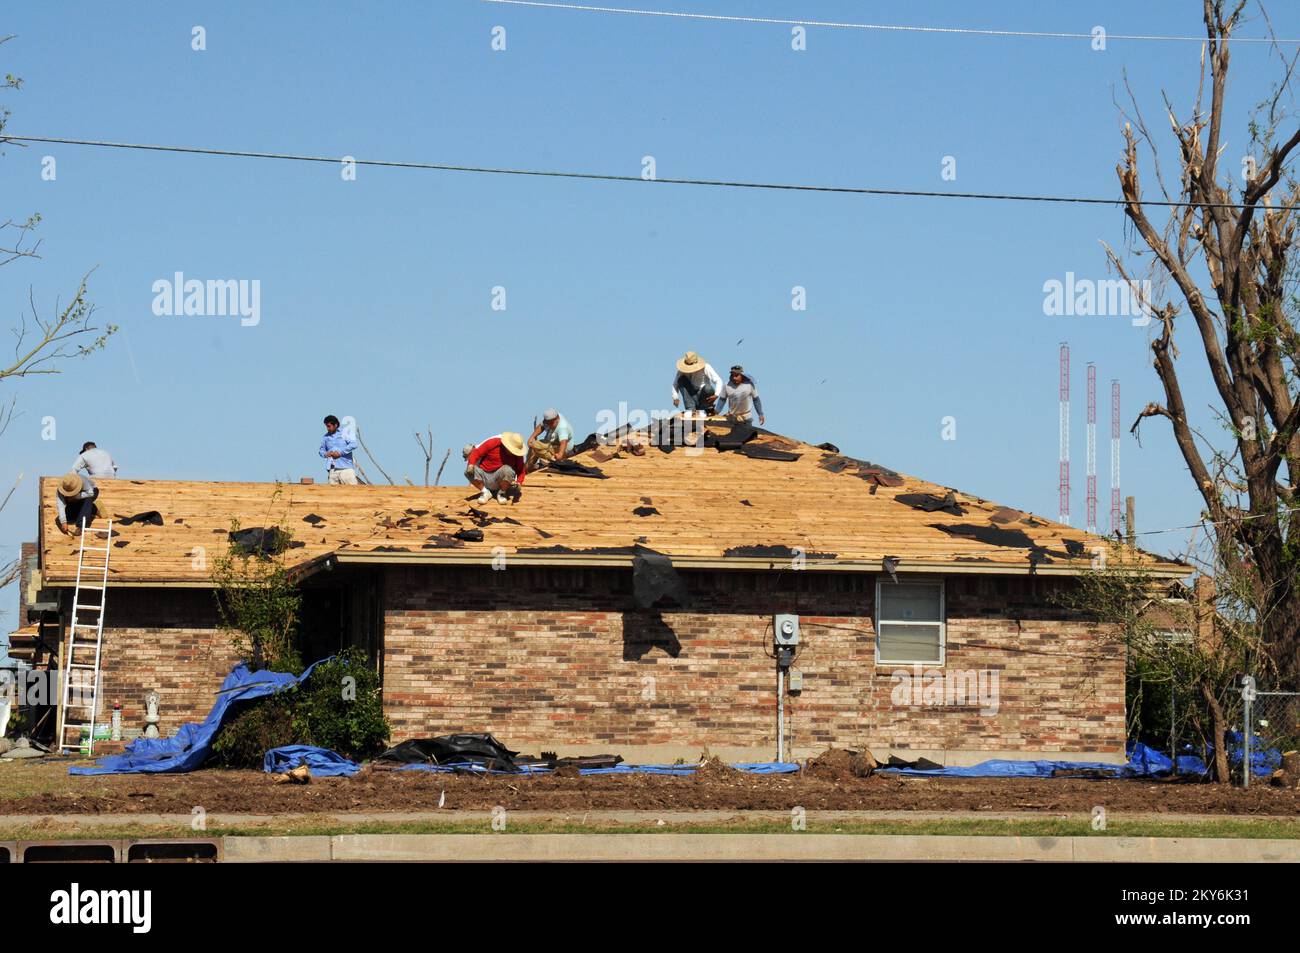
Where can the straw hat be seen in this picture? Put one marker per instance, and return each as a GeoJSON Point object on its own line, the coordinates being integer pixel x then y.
{"type": "Point", "coordinates": [513, 442]}
{"type": "Point", "coordinates": [690, 363]}
{"type": "Point", "coordinates": [69, 484]}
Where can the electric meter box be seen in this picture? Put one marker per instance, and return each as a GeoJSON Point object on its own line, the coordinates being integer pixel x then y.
{"type": "Point", "coordinates": [786, 626]}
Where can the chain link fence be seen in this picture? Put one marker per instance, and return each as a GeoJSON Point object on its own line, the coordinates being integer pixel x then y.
{"type": "Point", "coordinates": [1272, 726]}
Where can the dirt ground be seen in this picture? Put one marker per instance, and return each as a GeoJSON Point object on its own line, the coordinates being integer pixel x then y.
{"type": "Point", "coordinates": [47, 789]}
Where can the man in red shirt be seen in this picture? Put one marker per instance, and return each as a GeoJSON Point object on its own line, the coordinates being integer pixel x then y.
{"type": "Point", "coordinates": [495, 465]}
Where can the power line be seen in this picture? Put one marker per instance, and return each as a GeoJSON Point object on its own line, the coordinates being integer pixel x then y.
{"type": "Point", "coordinates": [879, 27]}
{"type": "Point", "coordinates": [604, 177]}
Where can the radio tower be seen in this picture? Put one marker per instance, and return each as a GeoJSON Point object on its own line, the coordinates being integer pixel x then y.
{"type": "Point", "coordinates": [1092, 447]}
{"type": "Point", "coordinates": [1065, 433]}
{"type": "Point", "coordinates": [1114, 457]}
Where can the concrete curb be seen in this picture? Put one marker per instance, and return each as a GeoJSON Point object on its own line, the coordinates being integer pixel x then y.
{"type": "Point", "coordinates": [754, 847]}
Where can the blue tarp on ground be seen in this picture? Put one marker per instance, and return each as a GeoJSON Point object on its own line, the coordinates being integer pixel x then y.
{"type": "Point", "coordinates": [191, 745]}
{"type": "Point", "coordinates": [760, 767]}
{"type": "Point", "coordinates": [322, 762]}
{"type": "Point", "coordinates": [1143, 762]}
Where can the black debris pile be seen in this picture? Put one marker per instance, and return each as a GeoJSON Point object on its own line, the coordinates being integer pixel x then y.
{"type": "Point", "coordinates": [932, 504]}
{"type": "Point", "coordinates": [758, 451]}
{"type": "Point", "coordinates": [655, 581]}
{"type": "Point", "coordinates": [443, 541]}
{"type": "Point", "coordinates": [392, 549]}
{"type": "Point", "coordinates": [150, 518]}
{"type": "Point", "coordinates": [469, 535]}
{"type": "Point", "coordinates": [828, 447]}
{"type": "Point", "coordinates": [746, 503]}
{"type": "Point", "coordinates": [781, 552]}
{"type": "Point", "coordinates": [482, 751]}
{"type": "Point", "coordinates": [862, 469]}
{"type": "Point", "coordinates": [589, 551]}
{"type": "Point", "coordinates": [262, 540]}
{"type": "Point", "coordinates": [411, 512]}
{"type": "Point", "coordinates": [646, 511]}
{"type": "Point", "coordinates": [736, 436]}
{"type": "Point", "coordinates": [313, 519]}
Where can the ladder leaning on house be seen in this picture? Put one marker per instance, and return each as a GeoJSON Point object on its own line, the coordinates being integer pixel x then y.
{"type": "Point", "coordinates": [81, 655]}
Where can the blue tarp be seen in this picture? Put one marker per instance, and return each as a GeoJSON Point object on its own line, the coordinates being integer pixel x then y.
{"type": "Point", "coordinates": [191, 745]}
{"type": "Point", "coordinates": [1142, 762]}
{"type": "Point", "coordinates": [760, 767]}
{"type": "Point", "coordinates": [322, 762]}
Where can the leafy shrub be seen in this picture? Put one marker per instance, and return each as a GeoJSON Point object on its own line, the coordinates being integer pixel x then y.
{"type": "Point", "coordinates": [260, 725]}
{"type": "Point", "coordinates": [343, 708]}
{"type": "Point", "coordinates": [339, 707]}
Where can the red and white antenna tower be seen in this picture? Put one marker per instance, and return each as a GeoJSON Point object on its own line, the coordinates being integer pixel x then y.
{"type": "Point", "coordinates": [1065, 433]}
{"type": "Point", "coordinates": [1092, 447]}
{"type": "Point", "coordinates": [1114, 457]}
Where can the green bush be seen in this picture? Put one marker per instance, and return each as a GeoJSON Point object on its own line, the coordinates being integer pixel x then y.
{"type": "Point", "coordinates": [343, 708]}
{"type": "Point", "coordinates": [260, 725]}
{"type": "Point", "coordinates": [339, 707]}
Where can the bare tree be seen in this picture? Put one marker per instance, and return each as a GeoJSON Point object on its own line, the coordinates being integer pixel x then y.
{"type": "Point", "coordinates": [1243, 242]}
{"type": "Point", "coordinates": [42, 345]}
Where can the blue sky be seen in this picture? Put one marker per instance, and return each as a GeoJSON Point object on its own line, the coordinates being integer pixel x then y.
{"type": "Point", "coordinates": [376, 293]}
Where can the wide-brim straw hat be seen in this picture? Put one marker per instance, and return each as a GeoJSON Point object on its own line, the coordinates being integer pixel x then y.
{"type": "Point", "coordinates": [690, 363]}
{"type": "Point", "coordinates": [514, 443]}
{"type": "Point", "coordinates": [69, 484]}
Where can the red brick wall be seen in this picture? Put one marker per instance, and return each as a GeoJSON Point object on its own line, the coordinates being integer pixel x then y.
{"type": "Point", "coordinates": [547, 658]}
{"type": "Point", "coordinates": [166, 640]}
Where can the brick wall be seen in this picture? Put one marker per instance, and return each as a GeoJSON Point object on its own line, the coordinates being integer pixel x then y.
{"type": "Point", "coordinates": [166, 640]}
{"type": "Point", "coordinates": [554, 658]}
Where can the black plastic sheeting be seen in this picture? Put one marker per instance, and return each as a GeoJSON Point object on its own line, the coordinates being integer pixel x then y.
{"type": "Point", "coordinates": [263, 541]}
{"type": "Point", "coordinates": [782, 551]}
{"type": "Point", "coordinates": [481, 749]}
{"type": "Point", "coordinates": [574, 468]}
{"type": "Point", "coordinates": [655, 581]}
{"type": "Point", "coordinates": [151, 517]}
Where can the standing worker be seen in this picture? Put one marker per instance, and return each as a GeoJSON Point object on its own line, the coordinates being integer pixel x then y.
{"type": "Point", "coordinates": [497, 464]}
{"type": "Point", "coordinates": [98, 464]}
{"type": "Point", "coordinates": [337, 448]}
{"type": "Point", "coordinates": [696, 384]}
{"type": "Point", "coordinates": [740, 397]}
{"type": "Point", "coordinates": [550, 440]}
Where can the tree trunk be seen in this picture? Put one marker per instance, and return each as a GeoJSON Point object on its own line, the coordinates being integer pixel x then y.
{"type": "Point", "coordinates": [1219, 729]}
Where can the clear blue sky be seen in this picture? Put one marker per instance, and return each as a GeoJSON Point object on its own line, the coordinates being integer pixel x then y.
{"type": "Point", "coordinates": [376, 293]}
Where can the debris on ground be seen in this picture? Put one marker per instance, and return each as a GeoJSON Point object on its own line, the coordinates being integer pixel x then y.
{"type": "Point", "coordinates": [841, 764]}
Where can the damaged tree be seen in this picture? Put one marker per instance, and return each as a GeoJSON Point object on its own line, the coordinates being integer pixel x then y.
{"type": "Point", "coordinates": [1244, 242]}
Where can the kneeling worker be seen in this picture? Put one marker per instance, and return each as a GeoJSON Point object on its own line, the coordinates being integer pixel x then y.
{"type": "Point", "coordinates": [495, 465]}
{"type": "Point", "coordinates": [550, 440]}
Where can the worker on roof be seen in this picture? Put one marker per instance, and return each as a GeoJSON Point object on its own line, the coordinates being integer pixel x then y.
{"type": "Point", "coordinates": [337, 447]}
{"type": "Point", "coordinates": [739, 398]}
{"type": "Point", "coordinates": [496, 465]}
{"type": "Point", "coordinates": [98, 464]}
{"type": "Point", "coordinates": [73, 502]}
{"type": "Point", "coordinates": [551, 439]}
{"type": "Point", "coordinates": [696, 384]}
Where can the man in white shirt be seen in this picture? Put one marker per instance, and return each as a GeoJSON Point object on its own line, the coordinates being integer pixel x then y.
{"type": "Point", "coordinates": [98, 464]}
{"type": "Point", "coordinates": [696, 385]}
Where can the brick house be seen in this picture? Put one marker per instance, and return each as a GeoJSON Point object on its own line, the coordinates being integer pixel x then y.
{"type": "Point", "coordinates": [927, 617]}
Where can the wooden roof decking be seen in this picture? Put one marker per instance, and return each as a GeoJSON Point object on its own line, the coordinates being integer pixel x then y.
{"type": "Point", "coordinates": [843, 520]}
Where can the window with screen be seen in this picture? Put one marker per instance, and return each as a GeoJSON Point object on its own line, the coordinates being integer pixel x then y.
{"type": "Point", "coordinates": [909, 622]}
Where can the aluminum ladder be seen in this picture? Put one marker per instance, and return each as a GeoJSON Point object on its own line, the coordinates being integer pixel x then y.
{"type": "Point", "coordinates": [79, 645]}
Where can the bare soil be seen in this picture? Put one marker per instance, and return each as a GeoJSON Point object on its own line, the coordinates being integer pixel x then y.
{"type": "Point", "coordinates": [47, 789]}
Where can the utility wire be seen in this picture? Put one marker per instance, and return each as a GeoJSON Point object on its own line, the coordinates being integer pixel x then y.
{"type": "Point", "coordinates": [603, 177]}
{"type": "Point", "coordinates": [880, 27]}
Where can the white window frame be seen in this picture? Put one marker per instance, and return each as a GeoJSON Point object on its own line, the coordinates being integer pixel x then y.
{"type": "Point", "coordinates": [943, 621]}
